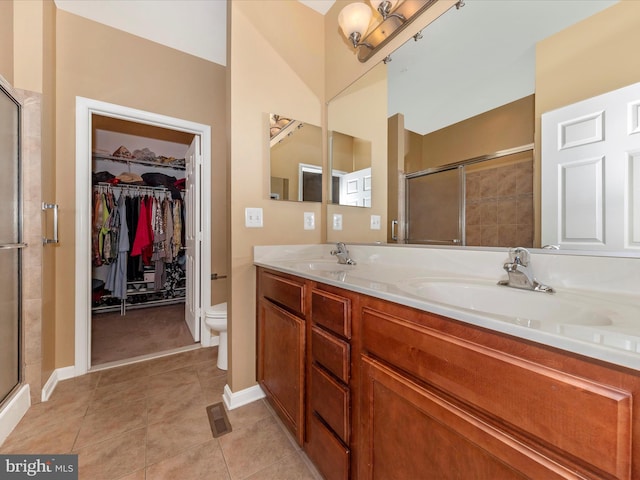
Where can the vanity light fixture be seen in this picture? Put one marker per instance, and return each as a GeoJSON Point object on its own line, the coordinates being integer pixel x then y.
{"type": "Point", "coordinates": [355, 22]}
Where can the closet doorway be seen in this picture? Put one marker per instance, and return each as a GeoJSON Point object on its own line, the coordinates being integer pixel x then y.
{"type": "Point", "coordinates": [145, 178]}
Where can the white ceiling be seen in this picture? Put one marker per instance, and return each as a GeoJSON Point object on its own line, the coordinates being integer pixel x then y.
{"type": "Point", "coordinates": [197, 27]}
{"type": "Point", "coordinates": [321, 6]}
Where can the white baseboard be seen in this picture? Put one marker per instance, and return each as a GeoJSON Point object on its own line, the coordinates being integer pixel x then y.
{"type": "Point", "coordinates": [57, 375]}
{"type": "Point", "coordinates": [13, 412]}
{"type": "Point", "coordinates": [243, 397]}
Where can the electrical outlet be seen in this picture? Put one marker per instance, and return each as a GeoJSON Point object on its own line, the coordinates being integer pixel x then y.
{"type": "Point", "coordinates": [309, 221]}
{"type": "Point", "coordinates": [253, 217]}
{"type": "Point", "coordinates": [375, 222]}
{"type": "Point", "coordinates": [337, 221]}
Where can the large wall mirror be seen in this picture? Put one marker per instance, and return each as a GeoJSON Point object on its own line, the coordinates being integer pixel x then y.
{"type": "Point", "coordinates": [295, 159]}
{"type": "Point", "coordinates": [462, 103]}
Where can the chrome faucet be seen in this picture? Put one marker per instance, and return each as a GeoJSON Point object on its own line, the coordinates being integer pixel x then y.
{"type": "Point", "coordinates": [520, 274]}
{"type": "Point", "coordinates": [343, 254]}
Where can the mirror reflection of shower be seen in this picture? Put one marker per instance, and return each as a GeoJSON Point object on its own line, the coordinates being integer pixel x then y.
{"type": "Point", "coordinates": [485, 201]}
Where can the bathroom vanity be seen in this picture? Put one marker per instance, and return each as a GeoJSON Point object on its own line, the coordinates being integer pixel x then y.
{"type": "Point", "coordinates": [375, 382]}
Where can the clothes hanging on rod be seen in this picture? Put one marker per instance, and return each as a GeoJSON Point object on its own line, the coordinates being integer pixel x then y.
{"type": "Point", "coordinates": [117, 279]}
{"type": "Point", "coordinates": [133, 227]}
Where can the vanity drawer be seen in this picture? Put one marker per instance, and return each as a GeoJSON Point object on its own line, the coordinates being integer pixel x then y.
{"type": "Point", "coordinates": [331, 352]}
{"type": "Point", "coordinates": [330, 399]}
{"type": "Point", "coordinates": [328, 454]}
{"type": "Point", "coordinates": [286, 292]}
{"type": "Point", "coordinates": [332, 312]}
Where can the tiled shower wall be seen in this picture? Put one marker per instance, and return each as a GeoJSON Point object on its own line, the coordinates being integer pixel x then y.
{"type": "Point", "coordinates": [32, 255]}
{"type": "Point", "coordinates": [499, 205]}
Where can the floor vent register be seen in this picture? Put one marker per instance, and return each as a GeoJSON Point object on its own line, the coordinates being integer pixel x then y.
{"type": "Point", "coordinates": [218, 419]}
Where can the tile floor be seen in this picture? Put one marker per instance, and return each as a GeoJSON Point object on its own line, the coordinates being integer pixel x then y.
{"type": "Point", "coordinates": [148, 421]}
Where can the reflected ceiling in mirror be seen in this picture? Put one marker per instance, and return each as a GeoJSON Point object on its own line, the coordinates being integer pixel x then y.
{"type": "Point", "coordinates": [350, 160]}
{"type": "Point", "coordinates": [476, 58]}
{"type": "Point", "coordinates": [295, 159]}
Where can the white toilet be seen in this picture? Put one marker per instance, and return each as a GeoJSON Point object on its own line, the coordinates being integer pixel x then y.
{"type": "Point", "coordinates": [216, 319]}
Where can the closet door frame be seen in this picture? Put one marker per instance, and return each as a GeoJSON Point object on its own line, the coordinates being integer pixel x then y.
{"type": "Point", "coordinates": [85, 108]}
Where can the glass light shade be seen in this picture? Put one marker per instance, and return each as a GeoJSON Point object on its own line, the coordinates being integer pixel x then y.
{"type": "Point", "coordinates": [376, 3]}
{"type": "Point", "coordinates": [354, 18]}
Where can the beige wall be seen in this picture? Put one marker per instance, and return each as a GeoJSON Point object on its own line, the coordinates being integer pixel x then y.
{"type": "Point", "coordinates": [99, 62]}
{"type": "Point", "coordinates": [592, 57]}
{"type": "Point", "coordinates": [6, 40]}
{"type": "Point", "coordinates": [276, 64]}
{"type": "Point", "coordinates": [28, 45]}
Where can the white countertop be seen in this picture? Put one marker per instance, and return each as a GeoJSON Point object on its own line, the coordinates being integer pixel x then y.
{"type": "Point", "coordinates": [387, 272]}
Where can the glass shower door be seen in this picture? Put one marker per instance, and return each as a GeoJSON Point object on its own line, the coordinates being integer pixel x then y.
{"type": "Point", "coordinates": [435, 206]}
{"type": "Point", "coordinates": [10, 244]}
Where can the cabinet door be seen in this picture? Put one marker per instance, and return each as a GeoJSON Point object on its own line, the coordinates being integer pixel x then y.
{"type": "Point", "coordinates": [281, 346]}
{"type": "Point", "coordinates": [408, 431]}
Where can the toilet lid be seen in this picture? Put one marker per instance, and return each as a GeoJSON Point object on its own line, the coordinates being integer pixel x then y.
{"type": "Point", "coordinates": [217, 310]}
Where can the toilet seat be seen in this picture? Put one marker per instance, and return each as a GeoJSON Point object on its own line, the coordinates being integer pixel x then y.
{"type": "Point", "coordinates": [216, 311]}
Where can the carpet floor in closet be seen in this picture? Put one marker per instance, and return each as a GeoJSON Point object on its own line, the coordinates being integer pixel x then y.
{"type": "Point", "coordinates": [141, 331]}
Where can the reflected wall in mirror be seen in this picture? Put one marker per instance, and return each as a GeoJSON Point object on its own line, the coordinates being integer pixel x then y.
{"type": "Point", "coordinates": [454, 96]}
{"type": "Point", "coordinates": [358, 140]}
{"type": "Point", "coordinates": [350, 160]}
{"type": "Point", "coordinates": [295, 159]}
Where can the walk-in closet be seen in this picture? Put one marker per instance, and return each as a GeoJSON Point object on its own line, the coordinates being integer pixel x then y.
{"type": "Point", "coordinates": [139, 219]}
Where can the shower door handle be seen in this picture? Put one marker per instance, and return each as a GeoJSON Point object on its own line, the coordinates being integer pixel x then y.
{"type": "Point", "coordinates": [394, 230]}
{"type": "Point", "coordinates": [54, 207]}
{"type": "Point", "coordinates": [12, 246]}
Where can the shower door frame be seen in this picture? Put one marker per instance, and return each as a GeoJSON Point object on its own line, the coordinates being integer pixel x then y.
{"type": "Point", "coordinates": [404, 220]}
{"type": "Point", "coordinates": [19, 246]}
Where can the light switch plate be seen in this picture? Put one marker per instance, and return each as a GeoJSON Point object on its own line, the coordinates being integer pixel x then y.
{"type": "Point", "coordinates": [337, 221]}
{"type": "Point", "coordinates": [375, 222]}
{"type": "Point", "coordinates": [309, 221]}
{"type": "Point", "coordinates": [253, 217]}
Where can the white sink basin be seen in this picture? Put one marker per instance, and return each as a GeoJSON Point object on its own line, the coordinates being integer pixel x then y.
{"type": "Point", "coordinates": [528, 308]}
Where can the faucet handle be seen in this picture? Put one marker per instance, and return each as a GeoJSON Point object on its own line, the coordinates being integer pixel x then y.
{"type": "Point", "coordinates": [519, 255]}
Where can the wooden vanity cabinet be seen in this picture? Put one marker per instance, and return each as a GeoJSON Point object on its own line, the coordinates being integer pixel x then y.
{"type": "Point", "coordinates": [440, 399]}
{"type": "Point", "coordinates": [281, 346]}
{"type": "Point", "coordinates": [377, 390]}
{"type": "Point", "coordinates": [329, 394]}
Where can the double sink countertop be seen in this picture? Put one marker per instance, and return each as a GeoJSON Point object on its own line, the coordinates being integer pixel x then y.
{"type": "Point", "coordinates": [595, 310]}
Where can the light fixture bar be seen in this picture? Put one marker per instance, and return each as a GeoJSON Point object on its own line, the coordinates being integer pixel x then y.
{"type": "Point", "coordinates": [390, 27]}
